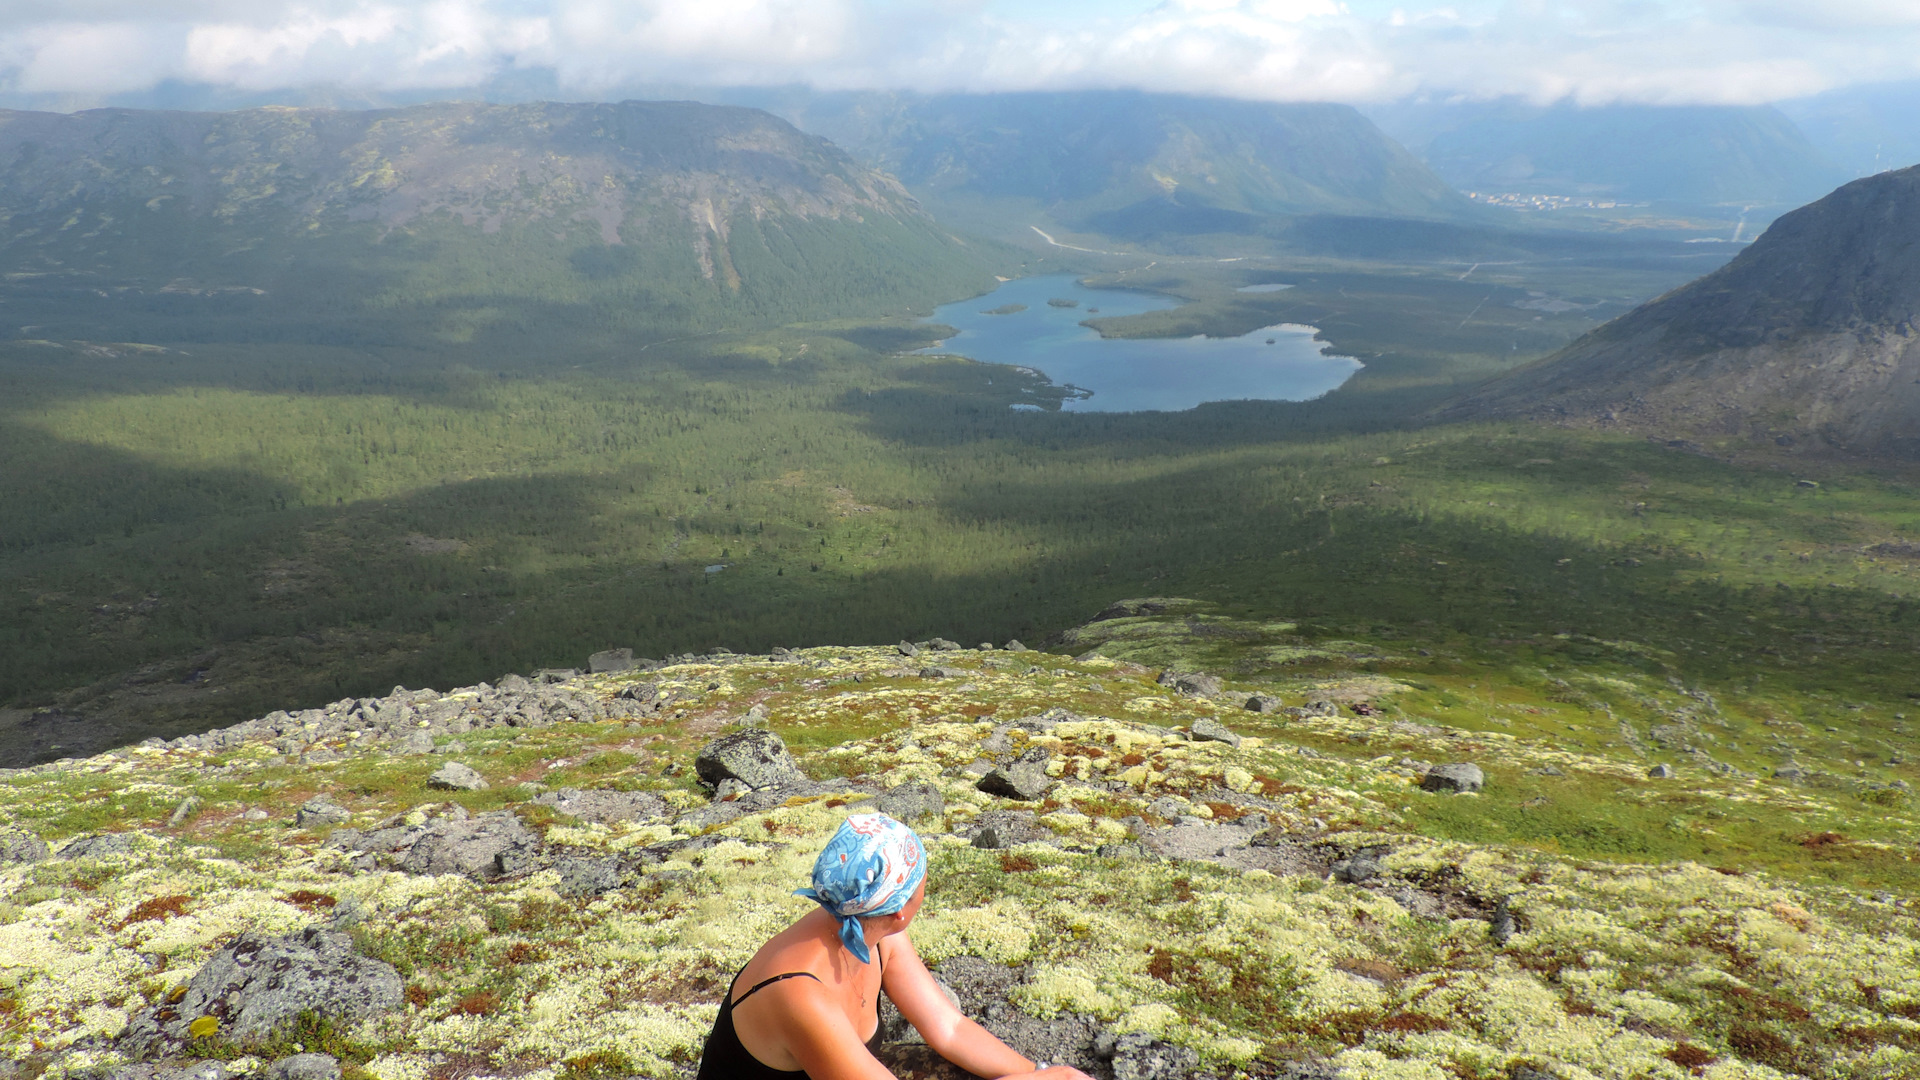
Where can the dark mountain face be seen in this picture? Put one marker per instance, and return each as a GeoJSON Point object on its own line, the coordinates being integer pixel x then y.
{"type": "Point", "coordinates": [1809, 333]}
{"type": "Point", "coordinates": [679, 214]}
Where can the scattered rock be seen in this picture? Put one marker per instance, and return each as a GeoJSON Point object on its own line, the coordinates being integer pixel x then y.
{"type": "Point", "coordinates": [911, 802]}
{"type": "Point", "coordinates": [610, 660]}
{"type": "Point", "coordinates": [1192, 685]}
{"type": "Point", "coordinates": [1500, 925]}
{"type": "Point", "coordinates": [605, 807]}
{"type": "Point", "coordinates": [454, 776]}
{"type": "Point", "coordinates": [184, 811]}
{"type": "Point", "coordinates": [258, 984]}
{"type": "Point", "coordinates": [944, 673]}
{"type": "Point", "coordinates": [907, 648]}
{"type": "Point", "coordinates": [305, 1067]}
{"type": "Point", "coordinates": [417, 741]}
{"type": "Point", "coordinates": [1207, 729]}
{"type": "Point", "coordinates": [580, 876]}
{"type": "Point", "coordinates": [998, 829]}
{"type": "Point", "coordinates": [1137, 1056]}
{"type": "Point", "coordinates": [941, 644]}
{"type": "Point", "coordinates": [472, 847]}
{"type": "Point", "coordinates": [1014, 645]}
{"type": "Point", "coordinates": [20, 846]}
{"type": "Point", "coordinates": [758, 759]}
{"type": "Point", "coordinates": [1024, 778]}
{"type": "Point", "coordinates": [729, 789]}
{"type": "Point", "coordinates": [1264, 703]}
{"type": "Point", "coordinates": [1454, 778]}
{"type": "Point", "coordinates": [1361, 867]}
{"type": "Point", "coordinates": [1790, 773]}
{"type": "Point", "coordinates": [1660, 772]}
{"type": "Point", "coordinates": [96, 845]}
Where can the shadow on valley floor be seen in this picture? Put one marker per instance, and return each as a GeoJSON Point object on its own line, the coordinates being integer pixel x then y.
{"type": "Point", "coordinates": [225, 605]}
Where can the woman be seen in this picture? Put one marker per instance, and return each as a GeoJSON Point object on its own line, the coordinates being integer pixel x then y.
{"type": "Point", "coordinates": [811, 1003]}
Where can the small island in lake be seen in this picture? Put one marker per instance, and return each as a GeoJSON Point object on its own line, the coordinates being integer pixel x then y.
{"type": "Point", "coordinates": [1059, 302]}
{"type": "Point", "coordinates": [1006, 309]}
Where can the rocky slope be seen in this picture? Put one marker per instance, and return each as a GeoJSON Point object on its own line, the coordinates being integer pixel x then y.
{"type": "Point", "coordinates": [701, 211]}
{"type": "Point", "coordinates": [1808, 335]}
{"type": "Point", "coordinates": [1150, 874]}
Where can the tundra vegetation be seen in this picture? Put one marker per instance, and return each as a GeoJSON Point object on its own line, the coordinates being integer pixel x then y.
{"type": "Point", "coordinates": [1720, 923]}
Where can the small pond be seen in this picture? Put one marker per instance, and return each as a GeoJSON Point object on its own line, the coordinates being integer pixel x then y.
{"type": "Point", "coordinates": [1035, 323]}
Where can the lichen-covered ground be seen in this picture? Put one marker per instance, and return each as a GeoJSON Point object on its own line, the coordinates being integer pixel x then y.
{"type": "Point", "coordinates": [1722, 923]}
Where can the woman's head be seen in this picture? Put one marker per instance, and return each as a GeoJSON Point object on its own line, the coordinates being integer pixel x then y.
{"type": "Point", "coordinates": [873, 866]}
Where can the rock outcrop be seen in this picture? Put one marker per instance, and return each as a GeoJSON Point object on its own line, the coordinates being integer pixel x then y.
{"type": "Point", "coordinates": [258, 985]}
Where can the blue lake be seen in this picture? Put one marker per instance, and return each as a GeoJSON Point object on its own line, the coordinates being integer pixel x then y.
{"type": "Point", "coordinates": [1275, 363]}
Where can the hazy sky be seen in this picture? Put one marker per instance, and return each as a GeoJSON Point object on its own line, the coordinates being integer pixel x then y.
{"type": "Point", "coordinates": [1593, 51]}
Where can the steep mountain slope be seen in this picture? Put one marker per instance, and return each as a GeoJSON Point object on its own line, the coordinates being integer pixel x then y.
{"type": "Point", "coordinates": [1126, 163]}
{"type": "Point", "coordinates": [1808, 333]}
{"type": "Point", "coordinates": [1699, 155]}
{"type": "Point", "coordinates": [459, 217]}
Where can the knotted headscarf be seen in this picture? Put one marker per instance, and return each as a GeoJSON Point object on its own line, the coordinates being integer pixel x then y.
{"type": "Point", "coordinates": [871, 867]}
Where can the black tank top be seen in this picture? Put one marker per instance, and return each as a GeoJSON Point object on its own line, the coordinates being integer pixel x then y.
{"type": "Point", "coordinates": [725, 1058]}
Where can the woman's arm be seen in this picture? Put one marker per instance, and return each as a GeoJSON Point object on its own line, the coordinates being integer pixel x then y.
{"type": "Point", "coordinates": [949, 1033]}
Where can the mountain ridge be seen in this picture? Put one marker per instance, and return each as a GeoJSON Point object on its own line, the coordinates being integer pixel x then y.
{"type": "Point", "coordinates": [700, 213]}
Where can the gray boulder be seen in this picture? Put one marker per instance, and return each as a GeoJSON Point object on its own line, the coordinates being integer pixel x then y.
{"type": "Point", "coordinates": [941, 644]}
{"type": "Point", "coordinates": [417, 741]}
{"type": "Point", "coordinates": [454, 776]}
{"type": "Point", "coordinates": [1662, 771]}
{"type": "Point", "coordinates": [1362, 867]}
{"type": "Point", "coordinates": [729, 789]}
{"type": "Point", "coordinates": [1024, 778]}
{"type": "Point", "coordinates": [610, 660]}
{"type": "Point", "coordinates": [758, 759]}
{"type": "Point", "coordinates": [20, 846]}
{"type": "Point", "coordinates": [1500, 926]}
{"type": "Point", "coordinates": [1192, 685]}
{"type": "Point", "coordinates": [258, 984]}
{"type": "Point", "coordinates": [1014, 645]}
{"type": "Point", "coordinates": [944, 673]}
{"type": "Point", "coordinates": [305, 1067]}
{"type": "Point", "coordinates": [1264, 703]}
{"type": "Point", "coordinates": [321, 810]}
{"type": "Point", "coordinates": [1207, 729]}
{"type": "Point", "coordinates": [1142, 1057]}
{"type": "Point", "coordinates": [911, 802]}
{"type": "Point", "coordinates": [585, 876]}
{"type": "Point", "coordinates": [605, 806]}
{"type": "Point", "coordinates": [907, 648]}
{"type": "Point", "coordinates": [1454, 778]}
{"type": "Point", "coordinates": [96, 845]}
{"type": "Point", "coordinates": [472, 847]}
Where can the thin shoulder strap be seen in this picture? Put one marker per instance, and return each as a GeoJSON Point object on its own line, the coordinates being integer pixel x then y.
{"type": "Point", "coordinates": [768, 982]}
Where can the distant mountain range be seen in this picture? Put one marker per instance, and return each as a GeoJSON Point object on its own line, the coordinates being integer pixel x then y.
{"type": "Point", "coordinates": [439, 222]}
{"type": "Point", "coordinates": [1811, 335]}
{"type": "Point", "coordinates": [1696, 156]}
{"type": "Point", "coordinates": [1864, 129]}
{"type": "Point", "coordinates": [1125, 164]}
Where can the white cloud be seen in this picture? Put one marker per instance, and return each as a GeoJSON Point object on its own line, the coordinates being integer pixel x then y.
{"type": "Point", "coordinates": [1658, 51]}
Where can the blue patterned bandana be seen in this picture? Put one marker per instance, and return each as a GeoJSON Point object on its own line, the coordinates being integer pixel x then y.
{"type": "Point", "coordinates": [871, 867]}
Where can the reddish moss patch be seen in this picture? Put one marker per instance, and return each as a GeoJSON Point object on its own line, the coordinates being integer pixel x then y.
{"type": "Point", "coordinates": [156, 909]}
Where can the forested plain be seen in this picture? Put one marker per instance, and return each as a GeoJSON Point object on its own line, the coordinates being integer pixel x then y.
{"type": "Point", "coordinates": [204, 530]}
